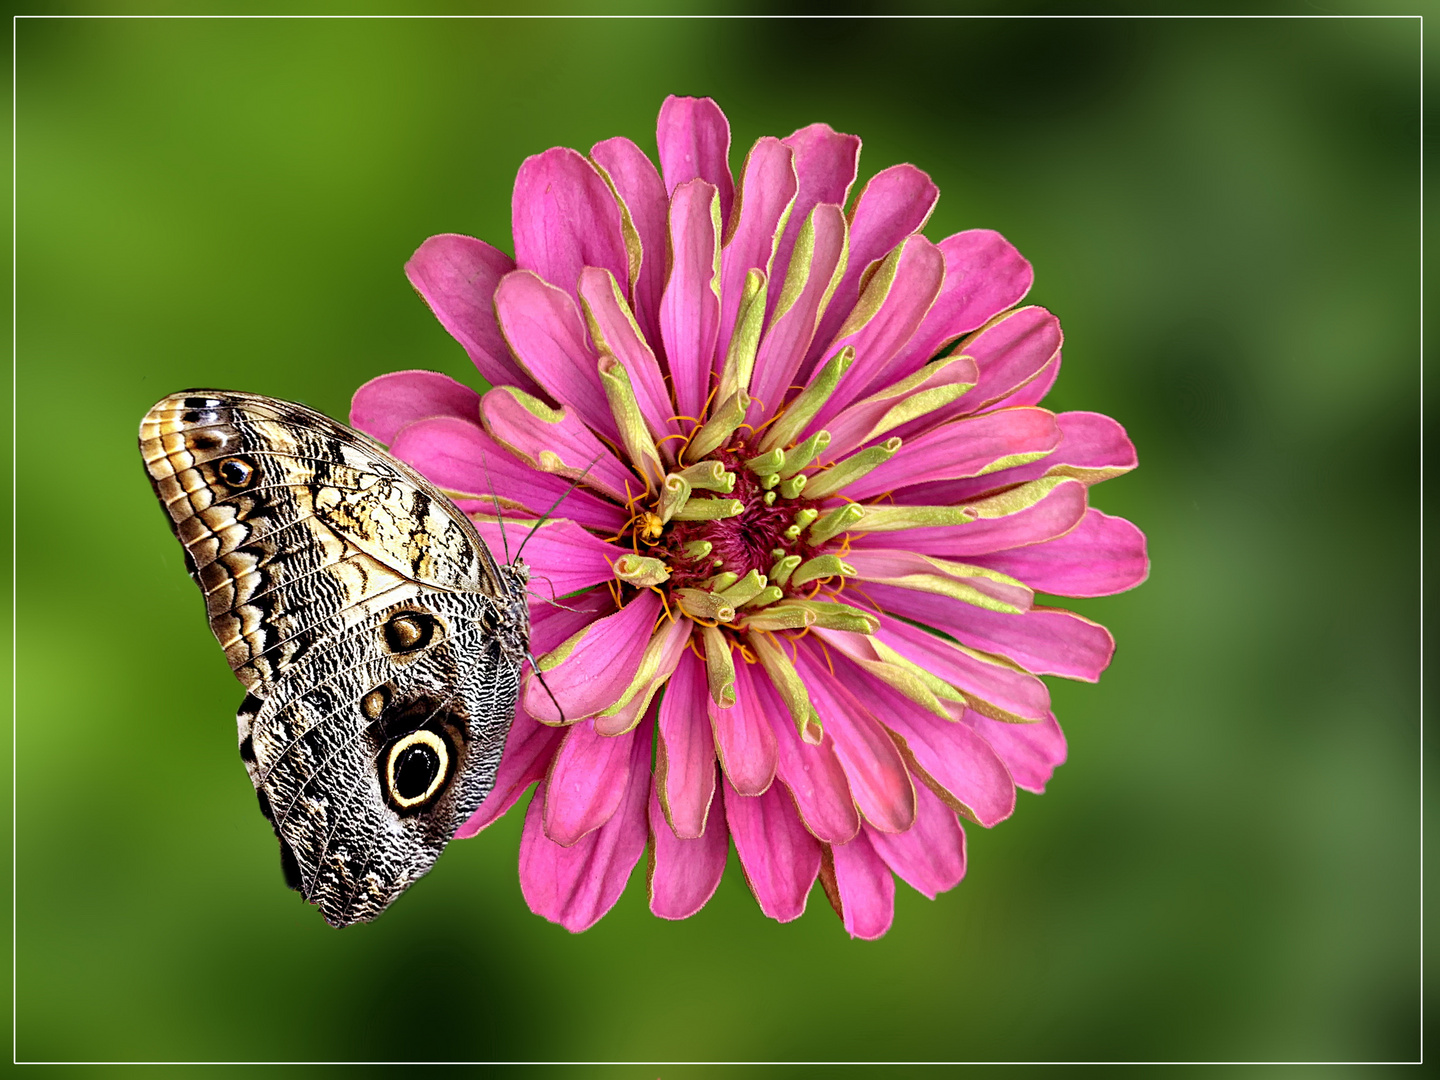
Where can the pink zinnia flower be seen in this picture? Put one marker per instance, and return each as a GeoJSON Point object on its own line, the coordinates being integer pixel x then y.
{"type": "Point", "coordinates": [817, 498]}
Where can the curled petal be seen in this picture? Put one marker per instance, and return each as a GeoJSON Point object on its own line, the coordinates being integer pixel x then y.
{"type": "Point", "coordinates": [574, 886]}
{"type": "Point", "coordinates": [387, 403]}
{"type": "Point", "coordinates": [1092, 448]}
{"type": "Point", "coordinates": [767, 190]}
{"type": "Point", "coordinates": [564, 217]}
{"type": "Point", "coordinates": [457, 276]}
{"type": "Point", "coordinates": [690, 307]}
{"type": "Point", "coordinates": [643, 205]}
{"type": "Point", "coordinates": [667, 645]}
{"type": "Point", "coordinates": [895, 203]}
{"type": "Point", "coordinates": [988, 684]}
{"type": "Point", "coordinates": [984, 275]}
{"type": "Point", "coordinates": [972, 446]}
{"type": "Point", "coordinates": [683, 874]}
{"type": "Point", "coordinates": [859, 887]}
{"type": "Point", "coordinates": [1010, 351]}
{"type": "Point", "coordinates": [779, 857]}
{"type": "Point", "coordinates": [543, 327]}
{"type": "Point", "coordinates": [1100, 556]}
{"type": "Point", "coordinates": [825, 166]}
{"type": "Point", "coordinates": [457, 456]}
{"type": "Point", "coordinates": [694, 141]}
{"type": "Point", "coordinates": [614, 331]}
{"type": "Point", "coordinates": [554, 441]}
{"type": "Point", "coordinates": [891, 306]}
{"type": "Point", "coordinates": [591, 670]}
{"type": "Point", "coordinates": [1030, 514]}
{"type": "Point", "coordinates": [796, 302]}
{"type": "Point", "coordinates": [929, 856]}
{"type": "Point", "coordinates": [1034, 391]}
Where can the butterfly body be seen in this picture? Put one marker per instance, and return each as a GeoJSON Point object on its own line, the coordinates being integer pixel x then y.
{"type": "Point", "coordinates": [379, 641]}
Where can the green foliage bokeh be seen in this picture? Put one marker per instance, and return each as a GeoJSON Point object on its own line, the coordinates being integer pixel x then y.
{"type": "Point", "coordinates": [1225, 217]}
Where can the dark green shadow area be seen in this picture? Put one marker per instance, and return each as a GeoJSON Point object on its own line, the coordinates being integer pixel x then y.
{"type": "Point", "coordinates": [1224, 214]}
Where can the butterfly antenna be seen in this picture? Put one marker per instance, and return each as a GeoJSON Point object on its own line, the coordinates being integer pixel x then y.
{"type": "Point", "coordinates": [500, 518]}
{"type": "Point", "coordinates": [539, 675]}
{"type": "Point", "coordinates": [563, 495]}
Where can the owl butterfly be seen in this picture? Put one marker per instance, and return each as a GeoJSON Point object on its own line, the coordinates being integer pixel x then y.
{"type": "Point", "coordinates": [379, 641]}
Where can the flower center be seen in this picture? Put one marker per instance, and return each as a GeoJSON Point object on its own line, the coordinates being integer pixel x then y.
{"type": "Point", "coordinates": [760, 535]}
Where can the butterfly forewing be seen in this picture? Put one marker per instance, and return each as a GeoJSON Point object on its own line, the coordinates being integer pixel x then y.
{"type": "Point", "coordinates": [380, 642]}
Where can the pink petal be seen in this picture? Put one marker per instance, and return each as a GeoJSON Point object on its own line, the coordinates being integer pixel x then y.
{"type": "Point", "coordinates": [529, 746]}
{"type": "Point", "coordinates": [893, 565]}
{"type": "Point", "coordinates": [574, 886]}
{"type": "Point", "coordinates": [683, 874]}
{"type": "Point", "coordinates": [1030, 751]}
{"type": "Point", "coordinates": [930, 856]}
{"type": "Point", "coordinates": [767, 189]}
{"type": "Point", "coordinates": [984, 275]}
{"type": "Point", "coordinates": [690, 308]}
{"type": "Point", "coordinates": [612, 332]}
{"type": "Point", "coordinates": [952, 757]}
{"type": "Point", "coordinates": [387, 403]}
{"type": "Point", "coordinates": [744, 738]}
{"type": "Point", "coordinates": [599, 668]}
{"type": "Point", "coordinates": [779, 857]}
{"type": "Point", "coordinates": [562, 557]}
{"type": "Point", "coordinates": [825, 165]}
{"type": "Point", "coordinates": [694, 141]}
{"type": "Point", "coordinates": [1092, 448]}
{"type": "Point", "coordinates": [671, 638]}
{"type": "Point", "coordinates": [961, 448]}
{"type": "Point", "coordinates": [788, 334]}
{"type": "Point", "coordinates": [685, 758]}
{"type": "Point", "coordinates": [1100, 556]}
{"type": "Point", "coordinates": [1054, 514]}
{"type": "Point", "coordinates": [456, 455]}
{"type": "Point", "coordinates": [876, 771]}
{"type": "Point", "coordinates": [564, 216]}
{"type": "Point", "coordinates": [855, 425]}
{"type": "Point", "coordinates": [457, 276]}
{"type": "Point", "coordinates": [1034, 391]}
{"type": "Point", "coordinates": [587, 780]}
{"type": "Point", "coordinates": [1015, 692]}
{"type": "Point", "coordinates": [1009, 352]}
{"type": "Point", "coordinates": [894, 204]}
{"type": "Point", "coordinates": [1047, 641]}
{"type": "Point", "coordinates": [881, 337]}
{"type": "Point", "coordinates": [642, 195]}
{"type": "Point", "coordinates": [529, 438]}
{"type": "Point", "coordinates": [863, 890]}
{"type": "Point", "coordinates": [544, 329]}
{"type": "Point", "coordinates": [813, 774]}
{"type": "Point", "coordinates": [550, 624]}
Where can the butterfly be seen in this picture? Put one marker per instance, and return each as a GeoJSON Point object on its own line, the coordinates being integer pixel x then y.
{"type": "Point", "coordinates": [379, 641]}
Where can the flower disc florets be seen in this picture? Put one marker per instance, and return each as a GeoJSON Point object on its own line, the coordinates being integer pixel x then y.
{"type": "Point", "coordinates": [816, 499]}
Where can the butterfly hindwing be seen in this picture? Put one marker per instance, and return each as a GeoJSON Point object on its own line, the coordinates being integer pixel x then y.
{"type": "Point", "coordinates": [379, 640]}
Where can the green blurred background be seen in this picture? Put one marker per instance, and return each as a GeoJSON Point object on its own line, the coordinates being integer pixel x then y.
{"type": "Point", "coordinates": [1225, 216]}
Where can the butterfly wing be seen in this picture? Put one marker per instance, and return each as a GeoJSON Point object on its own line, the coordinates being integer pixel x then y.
{"type": "Point", "coordinates": [379, 641]}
